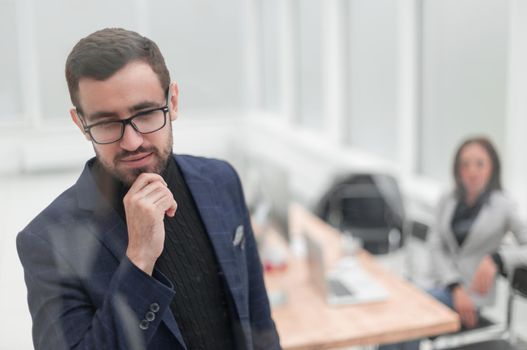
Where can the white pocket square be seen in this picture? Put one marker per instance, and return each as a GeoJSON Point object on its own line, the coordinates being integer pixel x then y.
{"type": "Point", "coordinates": [239, 236]}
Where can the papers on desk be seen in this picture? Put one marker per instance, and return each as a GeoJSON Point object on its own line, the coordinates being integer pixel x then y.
{"type": "Point", "coordinates": [363, 286]}
{"type": "Point", "coordinates": [347, 283]}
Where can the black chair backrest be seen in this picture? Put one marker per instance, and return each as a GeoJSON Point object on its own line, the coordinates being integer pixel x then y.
{"type": "Point", "coordinates": [361, 202]}
{"type": "Point", "coordinates": [366, 212]}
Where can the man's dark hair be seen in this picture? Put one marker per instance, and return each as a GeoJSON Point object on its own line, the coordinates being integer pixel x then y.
{"type": "Point", "coordinates": [495, 177]}
{"type": "Point", "coordinates": [104, 52]}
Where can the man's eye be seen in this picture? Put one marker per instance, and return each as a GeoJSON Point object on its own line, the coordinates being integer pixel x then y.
{"type": "Point", "coordinates": [146, 113]}
{"type": "Point", "coordinates": [108, 126]}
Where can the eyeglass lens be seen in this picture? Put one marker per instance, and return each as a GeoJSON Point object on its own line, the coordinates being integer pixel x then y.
{"type": "Point", "coordinates": [144, 123]}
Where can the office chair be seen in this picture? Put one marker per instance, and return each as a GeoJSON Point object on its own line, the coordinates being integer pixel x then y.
{"type": "Point", "coordinates": [507, 340]}
{"type": "Point", "coordinates": [370, 206]}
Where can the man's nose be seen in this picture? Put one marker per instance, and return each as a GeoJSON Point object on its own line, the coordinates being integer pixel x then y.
{"type": "Point", "coordinates": [131, 139]}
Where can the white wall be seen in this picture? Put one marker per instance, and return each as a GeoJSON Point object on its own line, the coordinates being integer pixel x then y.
{"type": "Point", "coordinates": [339, 79]}
{"type": "Point", "coordinates": [516, 121]}
{"type": "Point", "coordinates": [10, 90]}
{"type": "Point", "coordinates": [311, 96]}
{"type": "Point", "coordinates": [203, 43]}
{"type": "Point", "coordinates": [373, 81]}
{"type": "Point", "coordinates": [464, 77]}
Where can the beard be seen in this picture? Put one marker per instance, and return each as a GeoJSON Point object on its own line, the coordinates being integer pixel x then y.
{"type": "Point", "coordinates": [128, 176]}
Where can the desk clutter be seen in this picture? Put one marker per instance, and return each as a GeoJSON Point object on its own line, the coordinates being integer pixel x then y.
{"type": "Point", "coordinates": [306, 318]}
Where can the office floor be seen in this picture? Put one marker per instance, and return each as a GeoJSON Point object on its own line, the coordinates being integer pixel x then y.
{"type": "Point", "coordinates": [23, 196]}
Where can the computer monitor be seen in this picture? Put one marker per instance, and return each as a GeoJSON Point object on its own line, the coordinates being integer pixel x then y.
{"type": "Point", "coordinates": [268, 185]}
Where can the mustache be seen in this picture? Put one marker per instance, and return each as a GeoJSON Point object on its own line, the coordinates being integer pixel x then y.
{"type": "Point", "coordinates": [141, 149]}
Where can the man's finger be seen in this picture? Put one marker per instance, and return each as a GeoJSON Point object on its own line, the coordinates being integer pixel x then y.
{"type": "Point", "coordinates": [172, 210]}
{"type": "Point", "coordinates": [157, 194]}
{"type": "Point", "coordinates": [168, 204]}
{"type": "Point", "coordinates": [144, 179]}
{"type": "Point", "coordinates": [150, 191]}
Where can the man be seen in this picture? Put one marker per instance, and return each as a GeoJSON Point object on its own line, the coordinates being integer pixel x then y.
{"type": "Point", "coordinates": [147, 249]}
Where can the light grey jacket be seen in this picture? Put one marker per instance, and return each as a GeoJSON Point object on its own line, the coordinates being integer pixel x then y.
{"type": "Point", "coordinates": [453, 263]}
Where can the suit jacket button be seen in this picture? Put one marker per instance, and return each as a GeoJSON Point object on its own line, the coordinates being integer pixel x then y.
{"type": "Point", "coordinates": [150, 316]}
{"type": "Point", "coordinates": [144, 325]}
{"type": "Point", "coordinates": [154, 307]}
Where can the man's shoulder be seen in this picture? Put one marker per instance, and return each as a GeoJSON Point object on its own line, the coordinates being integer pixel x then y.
{"type": "Point", "coordinates": [61, 211]}
{"type": "Point", "coordinates": [199, 161]}
{"type": "Point", "coordinates": [204, 166]}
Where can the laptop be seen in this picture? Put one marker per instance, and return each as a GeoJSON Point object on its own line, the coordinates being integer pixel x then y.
{"type": "Point", "coordinates": [348, 283]}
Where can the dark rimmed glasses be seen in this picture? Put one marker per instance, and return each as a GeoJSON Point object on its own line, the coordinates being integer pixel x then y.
{"type": "Point", "coordinates": [144, 122]}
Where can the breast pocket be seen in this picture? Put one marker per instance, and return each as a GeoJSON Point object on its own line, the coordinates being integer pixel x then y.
{"type": "Point", "coordinates": [238, 243]}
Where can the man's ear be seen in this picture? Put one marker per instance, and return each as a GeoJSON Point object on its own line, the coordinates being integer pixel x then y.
{"type": "Point", "coordinates": [77, 120]}
{"type": "Point", "coordinates": [173, 103]}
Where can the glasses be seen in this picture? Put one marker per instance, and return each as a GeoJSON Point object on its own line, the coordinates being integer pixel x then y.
{"type": "Point", "coordinates": [144, 122]}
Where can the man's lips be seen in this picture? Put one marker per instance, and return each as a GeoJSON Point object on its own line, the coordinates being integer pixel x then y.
{"type": "Point", "coordinates": [136, 159]}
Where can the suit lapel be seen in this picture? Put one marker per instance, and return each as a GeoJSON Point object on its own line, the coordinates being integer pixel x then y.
{"type": "Point", "coordinates": [108, 225]}
{"type": "Point", "coordinates": [475, 231]}
{"type": "Point", "coordinates": [205, 195]}
{"type": "Point", "coordinates": [447, 224]}
{"type": "Point", "coordinates": [110, 229]}
{"type": "Point", "coordinates": [478, 228]}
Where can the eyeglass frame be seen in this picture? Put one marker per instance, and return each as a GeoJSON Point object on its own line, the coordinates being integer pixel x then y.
{"type": "Point", "coordinates": [128, 121]}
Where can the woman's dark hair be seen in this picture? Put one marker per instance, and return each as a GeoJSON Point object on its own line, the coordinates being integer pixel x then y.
{"type": "Point", "coordinates": [104, 52]}
{"type": "Point", "coordinates": [495, 177]}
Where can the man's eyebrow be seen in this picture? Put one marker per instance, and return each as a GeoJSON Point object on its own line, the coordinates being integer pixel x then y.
{"type": "Point", "coordinates": [144, 105]}
{"type": "Point", "coordinates": [96, 116]}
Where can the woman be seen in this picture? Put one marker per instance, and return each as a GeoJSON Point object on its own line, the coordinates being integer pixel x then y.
{"type": "Point", "coordinates": [471, 222]}
{"type": "Point", "coordinates": [470, 225]}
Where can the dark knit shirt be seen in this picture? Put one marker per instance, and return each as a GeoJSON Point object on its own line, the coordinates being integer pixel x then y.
{"type": "Point", "coordinates": [189, 262]}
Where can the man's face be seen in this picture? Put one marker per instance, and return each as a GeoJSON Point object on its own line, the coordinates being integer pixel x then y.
{"type": "Point", "coordinates": [132, 89]}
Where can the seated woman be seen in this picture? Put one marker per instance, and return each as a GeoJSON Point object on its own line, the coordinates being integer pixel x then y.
{"type": "Point", "coordinates": [471, 222]}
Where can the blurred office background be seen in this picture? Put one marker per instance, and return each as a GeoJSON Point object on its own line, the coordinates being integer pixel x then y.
{"type": "Point", "coordinates": [292, 92]}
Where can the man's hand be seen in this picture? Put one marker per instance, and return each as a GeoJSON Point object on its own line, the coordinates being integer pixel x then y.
{"type": "Point", "coordinates": [464, 307]}
{"type": "Point", "coordinates": [484, 276]}
{"type": "Point", "coordinates": [146, 204]}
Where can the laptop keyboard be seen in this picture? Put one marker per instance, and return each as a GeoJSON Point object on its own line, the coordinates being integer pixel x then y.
{"type": "Point", "coordinates": [338, 288]}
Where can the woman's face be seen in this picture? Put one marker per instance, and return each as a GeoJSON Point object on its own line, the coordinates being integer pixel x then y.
{"type": "Point", "coordinates": [475, 169]}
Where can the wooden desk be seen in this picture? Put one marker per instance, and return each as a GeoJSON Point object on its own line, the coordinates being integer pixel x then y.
{"type": "Point", "coordinates": [307, 322]}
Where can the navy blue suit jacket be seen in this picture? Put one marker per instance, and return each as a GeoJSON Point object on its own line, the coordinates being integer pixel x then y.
{"type": "Point", "coordinates": [84, 293]}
